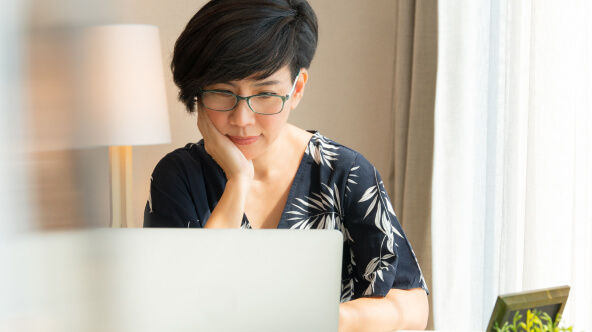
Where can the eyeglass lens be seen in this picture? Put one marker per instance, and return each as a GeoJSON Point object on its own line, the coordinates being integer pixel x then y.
{"type": "Point", "coordinates": [221, 101]}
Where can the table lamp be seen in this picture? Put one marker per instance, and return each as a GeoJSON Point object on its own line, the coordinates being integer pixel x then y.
{"type": "Point", "coordinates": [124, 101]}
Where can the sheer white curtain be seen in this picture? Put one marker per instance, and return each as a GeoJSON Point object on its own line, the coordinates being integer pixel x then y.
{"type": "Point", "coordinates": [512, 186]}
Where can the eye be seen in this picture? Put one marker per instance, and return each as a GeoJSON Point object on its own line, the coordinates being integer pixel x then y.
{"type": "Point", "coordinates": [266, 95]}
{"type": "Point", "coordinates": [222, 91]}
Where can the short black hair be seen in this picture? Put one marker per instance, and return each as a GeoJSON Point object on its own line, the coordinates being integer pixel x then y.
{"type": "Point", "coordinates": [229, 40]}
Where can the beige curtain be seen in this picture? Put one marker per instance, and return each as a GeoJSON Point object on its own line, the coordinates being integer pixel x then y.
{"type": "Point", "coordinates": [410, 178]}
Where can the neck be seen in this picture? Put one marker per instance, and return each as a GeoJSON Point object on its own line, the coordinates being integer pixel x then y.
{"type": "Point", "coordinates": [286, 150]}
{"type": "Point", "coordinates": [269, 163]}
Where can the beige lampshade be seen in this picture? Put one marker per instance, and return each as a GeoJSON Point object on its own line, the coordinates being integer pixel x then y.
{"type": "Point", "coordinates": [122, 87]}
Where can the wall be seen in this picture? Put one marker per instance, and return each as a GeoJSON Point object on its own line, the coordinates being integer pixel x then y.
{"type": "Point", "coordinates": [348, 97]}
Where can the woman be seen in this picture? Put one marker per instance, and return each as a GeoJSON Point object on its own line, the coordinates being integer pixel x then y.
{"type": "Point", "coordinates": [242, 65]}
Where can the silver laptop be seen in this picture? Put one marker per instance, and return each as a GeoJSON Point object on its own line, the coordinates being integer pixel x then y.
{"type": "Point", "coordinates": [181, 279]}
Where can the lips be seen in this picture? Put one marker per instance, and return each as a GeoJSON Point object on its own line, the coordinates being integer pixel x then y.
{"type": "Point", "coordinates": [243, 140]}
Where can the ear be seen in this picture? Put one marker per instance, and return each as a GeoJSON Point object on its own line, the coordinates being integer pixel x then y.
{"type": "Point", "coordinates": [299, 90]}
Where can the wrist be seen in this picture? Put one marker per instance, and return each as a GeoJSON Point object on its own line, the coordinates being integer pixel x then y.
{"type": "Point", "coordinates": [240, 181]}
{"type": "Point", "coordinates": [229, 211]}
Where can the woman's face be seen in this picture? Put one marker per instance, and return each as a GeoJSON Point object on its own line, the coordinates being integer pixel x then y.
{"type": "Point", "coordinates": [254, 133]}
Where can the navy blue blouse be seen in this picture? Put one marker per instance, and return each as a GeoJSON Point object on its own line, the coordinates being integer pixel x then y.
{"type": "Point", "coordinates": [334, 188]}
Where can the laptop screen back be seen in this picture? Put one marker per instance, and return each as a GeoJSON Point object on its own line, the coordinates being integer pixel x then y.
{"type": "Point", "coordinates": [184, 279]}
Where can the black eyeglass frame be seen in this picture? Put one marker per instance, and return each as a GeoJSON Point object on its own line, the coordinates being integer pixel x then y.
{"type": "Point", "coordinates": [238, 98]}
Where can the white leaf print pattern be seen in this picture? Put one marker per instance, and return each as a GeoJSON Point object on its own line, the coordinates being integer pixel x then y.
{"type": "Point", "coordinates": [347, 290]}
{"type": "Point", "coordinates": [370, 192]}
{"type": "Point", "coordinates": [349, 178]}
{"type": "Point", "coordinates": [323, 210]}
{"type": "Point", "coordinates": [245, 224]}
{"type": "Point", "coordinates": [321, 150]}
{"type": "Point", "coordinates": [423, 283]}
{"type": "Point", "coordinates": [319, 211]}
{"type": "Point", "coordinates": [347, 285]}
{"type": "Point", "coordinates": [380, 206]}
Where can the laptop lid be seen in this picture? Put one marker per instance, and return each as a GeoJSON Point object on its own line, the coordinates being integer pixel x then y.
{"type": "Point", "coordinates": [187, 279]}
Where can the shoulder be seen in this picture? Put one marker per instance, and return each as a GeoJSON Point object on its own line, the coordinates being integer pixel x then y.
{"type": "Point", "coordinates": [177, 185]}
{"type": "Point", "coordinates": [328, 153]}
{"type": "Point", "coordinates": [190, 151]}
{"type": "Point", "coordinates": [184, 161]}
{"type": "Point", "coordinates": [359, 178]}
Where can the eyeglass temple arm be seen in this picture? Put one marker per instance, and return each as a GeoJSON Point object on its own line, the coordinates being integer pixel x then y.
{"type": "Point", "coordinates": [293, 86]}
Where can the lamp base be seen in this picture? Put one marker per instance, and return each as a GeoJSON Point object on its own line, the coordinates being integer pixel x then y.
{"type": "Point", "coordinates": [120, 160]}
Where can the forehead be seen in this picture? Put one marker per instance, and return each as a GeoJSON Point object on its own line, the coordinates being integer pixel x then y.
{"type": "Point", "coordinates": [279, 77]}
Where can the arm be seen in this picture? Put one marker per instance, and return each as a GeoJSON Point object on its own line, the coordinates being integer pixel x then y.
{"type": "Point", "coordinates": [389, 290]}
{"type": "Point", "coordinates": [229, 211]}
{"type": "Point", "coordinates": [400, 309]}
{"type": "Point", "coordinates": [239, 171]}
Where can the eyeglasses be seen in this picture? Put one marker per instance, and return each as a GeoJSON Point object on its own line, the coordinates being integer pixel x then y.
{"type": "Point", "coordinates": [263, 103]}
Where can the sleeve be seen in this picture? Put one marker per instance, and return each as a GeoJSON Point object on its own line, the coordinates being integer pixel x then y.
{"type": "Point", "coordinates": [381, 256]}
{"type": "Point", "coordinates": [169, 202]}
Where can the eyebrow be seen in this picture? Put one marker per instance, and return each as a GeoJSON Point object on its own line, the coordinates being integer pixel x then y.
{"type": "Point", "coordinates": [268, 83]}
{"type": "Point", "coordinates": [264, 83]}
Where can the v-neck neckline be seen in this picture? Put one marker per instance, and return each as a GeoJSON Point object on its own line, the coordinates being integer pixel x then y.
{"type": "Point", "coordinates": [295, 181]}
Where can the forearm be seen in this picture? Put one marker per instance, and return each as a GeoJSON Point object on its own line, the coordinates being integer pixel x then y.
{"type": "Point", "coordinates": [229, 211]}
{"type": "Point", "coordinates": [400, 309]}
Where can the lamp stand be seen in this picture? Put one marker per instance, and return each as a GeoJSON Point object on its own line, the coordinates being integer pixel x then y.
{"type": "Point", "coordinates": [120, 161]}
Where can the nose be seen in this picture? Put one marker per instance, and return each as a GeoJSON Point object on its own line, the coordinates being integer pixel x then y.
{"type": "Point", "coordinates": [241, 115]}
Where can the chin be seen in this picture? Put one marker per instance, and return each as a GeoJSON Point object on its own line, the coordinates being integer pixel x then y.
{"type": "Point", "coordinates": [250, 154]}
{"type": "Point", "coordinates": [254, 151]}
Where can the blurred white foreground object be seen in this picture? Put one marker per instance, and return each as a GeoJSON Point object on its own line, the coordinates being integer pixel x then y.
{"type": "Point", "coordinates": [177, 280]}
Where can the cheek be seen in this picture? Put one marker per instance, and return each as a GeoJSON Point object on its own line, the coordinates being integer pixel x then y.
{"type": "Point", "coordinates": [219, 119]}
{"type": "Point", "coordinates": [272, 124]}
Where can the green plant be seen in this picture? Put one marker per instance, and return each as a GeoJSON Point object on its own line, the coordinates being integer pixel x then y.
{"type": "Point", "coordinates": [535, 322]}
